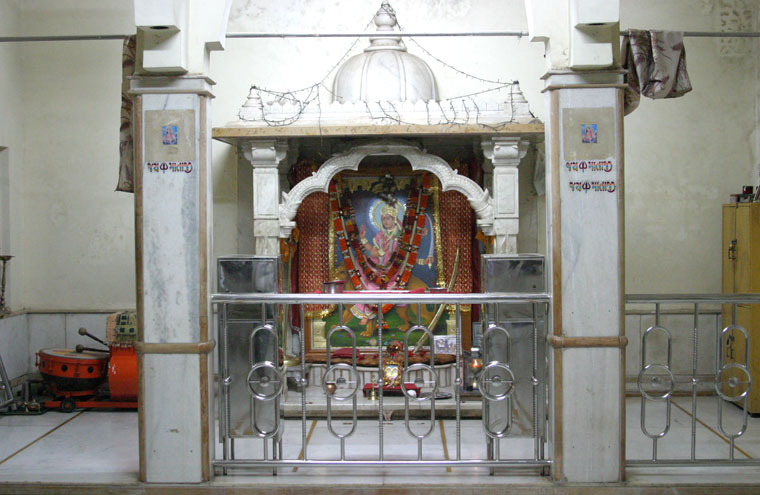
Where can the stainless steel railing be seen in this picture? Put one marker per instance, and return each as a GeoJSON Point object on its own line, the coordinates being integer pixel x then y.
{"type": "Point", "coordinates": [731, 382]}
{"type": "Point", "coordinates": [505, 379]}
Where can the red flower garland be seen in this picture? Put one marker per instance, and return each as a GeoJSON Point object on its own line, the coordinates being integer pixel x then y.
{"type": "Point", "coordinates": [398, 272]}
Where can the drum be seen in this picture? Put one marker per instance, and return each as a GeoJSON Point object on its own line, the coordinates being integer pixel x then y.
{"type": "Point", "coordinates": [122, 373]}
{"type": "Point", "coordinates": [71, 371]}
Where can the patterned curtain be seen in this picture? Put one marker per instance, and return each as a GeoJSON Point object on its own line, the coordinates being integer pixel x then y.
{"type": "Point", "coordinates": [656, 64]}
{"type": "Point", "coordinates": [313, 222]}
{"type": "Point", "coordinates": [126, 142]}
{"type": "Point", "coordinates": [457, 221]}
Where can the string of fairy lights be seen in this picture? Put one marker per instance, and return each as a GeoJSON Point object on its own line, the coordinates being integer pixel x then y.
{"type": "Point", "coordinates": [438, 112]}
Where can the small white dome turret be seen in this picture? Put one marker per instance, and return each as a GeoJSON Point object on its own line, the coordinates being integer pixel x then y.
{"type": "Point", "coordinates": [385, 71]}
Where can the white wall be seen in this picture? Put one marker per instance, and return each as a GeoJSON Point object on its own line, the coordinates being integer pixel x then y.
{"type": "Point", "coordinates": [683, 156]}
{"type": "Point", "coordinates": [14, 345]}
{"type": "Point", "coordinates": [11, 152]}
{"type": "Point", "coordinates": [78, 241]}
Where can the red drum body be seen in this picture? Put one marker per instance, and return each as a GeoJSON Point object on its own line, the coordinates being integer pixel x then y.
{"type": "Point", "coordinates": [122, 373]}
{"type": "Point", "coordinates": [70, 371]}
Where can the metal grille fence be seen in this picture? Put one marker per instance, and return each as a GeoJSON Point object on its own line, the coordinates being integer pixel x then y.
{"type": "Point", "coordinates": [512, 384]}
{"type": "Point", "coordinates": [729, 386]}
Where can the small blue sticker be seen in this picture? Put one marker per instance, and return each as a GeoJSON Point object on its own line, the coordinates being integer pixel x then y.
{"type": "Point", "coordinates": [169, 134]}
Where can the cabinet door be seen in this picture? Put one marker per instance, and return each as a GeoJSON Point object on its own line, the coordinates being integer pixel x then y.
{"type": "Point", "coordinates": [747, 230]}
{"type": "Point", "coordinates": [728, 247]}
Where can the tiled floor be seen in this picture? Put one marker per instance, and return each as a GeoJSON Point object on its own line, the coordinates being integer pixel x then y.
{"type": "Point", "coordinates": [101, 447]}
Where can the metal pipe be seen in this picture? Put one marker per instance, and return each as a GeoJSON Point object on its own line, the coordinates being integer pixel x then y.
{"type": "Point", "coordinates": [380, 379]}
{"type": "Point", "coordinates": [694, 382]}
{"type": "Point", "coordinates": [401, 34]}
{"type": "Point", "coordinates": [688, 462]}
{"type": "Point", "coordinates": [458, 383]}
{"type": "Point", "coordinates": [226, 381]}
{"type": "Point", "coordinates": [409, 463]}
{"type": "Point", "coordinates": [384, 298]}
{"type": "Point", "coordinates": [304, 383]}
{"type": "Point", "coordinates": [692, 298]}
{"type": "Point", "coordinates": [535, 383]}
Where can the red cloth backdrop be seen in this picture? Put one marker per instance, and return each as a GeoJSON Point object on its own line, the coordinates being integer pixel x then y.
{"type": "Point", "coordinates": [457, 231]}
{"type": "Point", "coordinates": [313, 222]}
{"type": "Point", "coordinates": [312, 268]}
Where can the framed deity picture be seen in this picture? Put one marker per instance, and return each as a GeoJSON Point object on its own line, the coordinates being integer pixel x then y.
{"type": "Point", "coordinates": [384, 234]}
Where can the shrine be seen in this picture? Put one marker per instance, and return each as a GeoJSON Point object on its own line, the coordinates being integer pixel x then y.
{"type": "Point", "coordinates": [408, 254]}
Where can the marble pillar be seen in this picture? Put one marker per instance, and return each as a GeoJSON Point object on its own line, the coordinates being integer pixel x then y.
{"type": "Point", "coordinates": [173, 215]}
{"type": "Point", "coordinates": [503, 155]}
{"type": "Point", "coordinates": [269, 158]}
{"type": "Point", "coordinates": [584, 176]}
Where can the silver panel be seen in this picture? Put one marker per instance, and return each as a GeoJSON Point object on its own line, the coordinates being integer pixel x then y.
{"type": "Point", "coordinates": [523, 273]}
{"type": "Point", "coordinates": [519, 347]}
{"type": "Point", "coordinates": [246, 415]}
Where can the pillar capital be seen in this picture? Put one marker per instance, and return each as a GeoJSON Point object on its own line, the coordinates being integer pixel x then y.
{"type": "Point", "coordinates": [504, 150]}
{"type": "Point", "coordinates": [266, 153]}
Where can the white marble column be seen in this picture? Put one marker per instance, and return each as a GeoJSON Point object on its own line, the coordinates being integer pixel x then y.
{"type": "Point", "coordinates": [584, 176]}
{"type": "Point", "coordinates": [503, 155]}
{"type": "Point", "coordinates": [269, 160]}
{"type": "Point", "coordinates": [173, 215]}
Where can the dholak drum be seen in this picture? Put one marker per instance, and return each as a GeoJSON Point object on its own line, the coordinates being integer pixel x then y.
{"type": "Point", "coordinates": [70, 371]}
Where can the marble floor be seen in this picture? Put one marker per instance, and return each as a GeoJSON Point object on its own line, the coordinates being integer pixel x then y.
{"type": "Point", "coordinates": [92, 447]}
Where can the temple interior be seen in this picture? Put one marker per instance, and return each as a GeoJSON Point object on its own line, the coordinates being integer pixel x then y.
{"type": "Point", "coordinates": [504, 246]}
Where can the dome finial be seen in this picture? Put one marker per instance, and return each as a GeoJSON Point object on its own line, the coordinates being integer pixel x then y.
{"type": "Point", "coordinates": [385, 17]}
{"type": "Point", "coordinates": [385, 20]}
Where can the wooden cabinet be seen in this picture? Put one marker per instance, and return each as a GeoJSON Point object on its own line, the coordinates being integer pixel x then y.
{"type": "Point", "coordinates": [741, 275]}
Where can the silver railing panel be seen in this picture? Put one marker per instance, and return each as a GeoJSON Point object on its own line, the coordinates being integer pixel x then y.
{"type": "Point", "coordinates": [264, 382]}
{"type": "Point", "coordinates": [345, 389]}
{"type": "Point", "coordinates": [731, 382]}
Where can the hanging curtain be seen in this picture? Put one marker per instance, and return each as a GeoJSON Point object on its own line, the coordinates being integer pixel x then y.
{"type": "Point", "coordinates": [656, 64]}
{"type": "Point", "coordinates": [126, 141]}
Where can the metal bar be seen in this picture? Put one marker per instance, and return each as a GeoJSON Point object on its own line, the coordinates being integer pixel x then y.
{"type": "Point", "coordinates": [303, 383]}
{"type": "Point", "coordinates": [689, 462]}
{"type": "Point", "coordinates": [713, 34]}
{"type": "Point", "coordinates": [81, 37]}
{"type": "Point", "coordinates": [535, 383]}
{"type": "Point", "coordinates": [657, 314]}
{"type": "Point", "coordinates": [226, 382]}
{"type": "Point", "coordinates": [380, 377]}
{"type": "Point", "coordinates": [692, 298]}
{"type": "Point", "coordinates": [694, 382]}
{"type": "Point", "coordinates": [385, 297]}
{"type": "Point", "coordinates": [284, 35]}
{"type": "Point", "coordinates": [410, 463]}
{"type": "Point", "coordinates": [458, 383]}
{"type": "Point", "coordinates": [402, 34]}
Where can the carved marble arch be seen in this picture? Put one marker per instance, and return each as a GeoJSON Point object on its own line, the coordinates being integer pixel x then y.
{"type": "Point", "coordinates": [479, 199]}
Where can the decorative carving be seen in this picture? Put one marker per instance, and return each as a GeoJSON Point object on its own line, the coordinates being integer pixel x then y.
{"type": "Point", "coordinates": [266, 153]}
{"type": "Point", "coordinates": [512, 107]}
{"type": "Point", "coordinates": [505, 151]}
{"type": "Point", "coordinates": [478, 198]}
{"type": "Point", "coordinates": [504, 155]}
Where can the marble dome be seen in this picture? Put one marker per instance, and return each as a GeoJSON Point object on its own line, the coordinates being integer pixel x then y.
{"type": "Point", "coordinates": [385, 71]}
